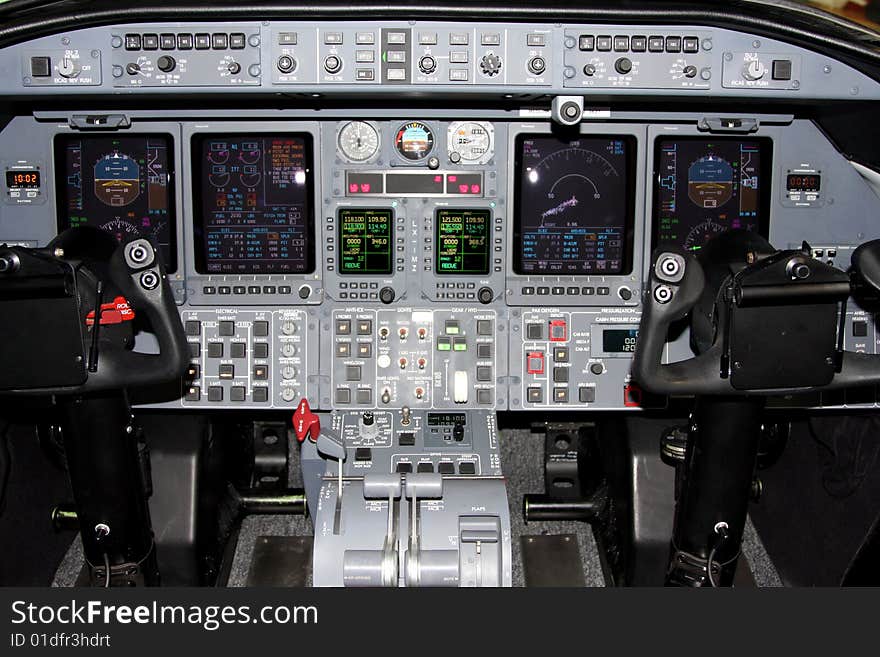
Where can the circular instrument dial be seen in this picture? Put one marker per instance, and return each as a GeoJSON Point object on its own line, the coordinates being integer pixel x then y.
{"type": "Point", "coordinates": [358, 141]}
{"type": "Point", "coordinates": [472, 140]}
{"type": "Point", "coordinates": [121, 229]}
{"type": "Point", "coordinates": [414, 140]}
{"type": "Point", "coordinates": [699, 235]}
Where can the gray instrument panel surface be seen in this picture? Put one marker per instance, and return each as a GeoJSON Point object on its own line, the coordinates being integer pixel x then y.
{"type": "Point", "coordinates": [464, 58]}
{"type": "Point", "coordinates": [497, 378]}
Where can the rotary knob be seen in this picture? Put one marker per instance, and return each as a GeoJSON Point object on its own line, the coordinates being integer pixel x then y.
{"type": "Point", "coordinates": [427, 64]}
{"type": "Point", "coordinates": [332, 64]}
{"type": "Point", "coordinates": [166, 63]}
{"type": "Point", "coordinates": [490, 64]}
{"type": "Point", "coordinates": [754, 70]}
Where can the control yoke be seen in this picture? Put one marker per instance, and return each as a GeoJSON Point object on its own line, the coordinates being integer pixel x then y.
{"type": "Point", "coordinates": [70, 312]}
{"type": "Point", "coordinates": [762, 321]}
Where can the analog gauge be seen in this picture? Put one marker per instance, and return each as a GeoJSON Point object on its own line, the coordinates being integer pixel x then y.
{"type": "Point", "coordinates": [358, 141]}
{"type": "Point", "coordinates": [699, 235]}
{"type": "Point", "coordinates": [414, 140]}
{"type": "Point", "coordinates": [471, 142]}
{"type": "Point", "coordinates": [121, 229]}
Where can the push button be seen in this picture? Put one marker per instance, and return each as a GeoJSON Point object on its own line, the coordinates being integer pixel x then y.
{"type": "Point", "coordinates": [215, 393]}
{"type": "Point", "coordinates": [535, 395]}
{"type": "Point", "coordinates": [227, 371]}
{"type": "Point", "coordinates": [227, 328]}
{"type": "Point", "coordinates": [41, 67]}
{"type": "Point", "coordinates": [467, 468]}
{"type": "Point", "coordinates": [534, 331]}
{"type": "Point", "coordinates": [261, 350]}
{"type": "Point", "coordinates": [260, 394]}
{"type": "Point", "coordinates": [237, 393]}
{"type": "Point", "coordinates": [859, 329]}
{"type": "Point", "coordinates": [238, 349]}
{"type": "Point", "coordinates": [215, 350]}
{"type": "Point", "coordinates": [535, 362]}
{"type": "Point", "coordinates": [261, 329]}
{"type": "Point", "coordinates": [193, 327]}
{"type": "Point", "coordinates": [446, 468]}
{"type": "Point", "coordinates": [425, 467]}
{"type": "Point", "coordinates": [403, 468]}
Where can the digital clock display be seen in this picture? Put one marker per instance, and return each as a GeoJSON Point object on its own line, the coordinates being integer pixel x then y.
{"type": "Point", "coordinates": [801, 182]}
{"type": "Point", "coordinates": [20, 178]}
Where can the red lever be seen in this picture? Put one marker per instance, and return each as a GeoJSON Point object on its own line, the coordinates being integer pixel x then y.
{"type": "Point", "coordinates": [115, 312]}
{"type": "Point", "coordinates": [305, 422]}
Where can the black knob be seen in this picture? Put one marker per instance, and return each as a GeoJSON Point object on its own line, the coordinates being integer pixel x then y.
{"type": "Point", "coordinates": [234, 68]}
{"type": "Point", "coordinates": [625, 293]}
{"type": "Point", "coordinates": [427, 64]}
{"type": "Point", "coordinates": [368, 418]}
{"type": "Point", "coordinates": [597, 368]}
{"type": "Point", "coordinates": [386, 295]}
{"type": "Point", "coordinates": [623, 65]}
{"type": "Point", "coordinates": [490, 64]}
{"type": "Point", "coordinates": [286, 64]}
{"type": "Point", "coordinates": [458, 432]}
{"type": "Point", "coordinates": [9, 263]}
{"type": "Point", "coordinates": [590, 70]}
{"type": "Point", "coordinates": [166, 63]}
{"type": "Point", "coordinates": [132, 68]}
{"type": "Point", "coordinates": [332, 64]}
{"type": "Point", "coordinates": [485, 295]}
{"type": "Point", "coordinates": [537, 65]}
{"type": "Point", "coordinates": [690, 71]}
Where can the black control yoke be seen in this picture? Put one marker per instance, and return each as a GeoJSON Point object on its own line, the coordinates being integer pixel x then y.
{"type": "Point", "coordinates": [70, 312]}
{"type": "Point", "coordinates": [763, 322]}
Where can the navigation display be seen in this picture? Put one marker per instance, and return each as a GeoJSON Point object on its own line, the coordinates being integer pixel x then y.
{"type": "Point", "coordinates": [462, 241]}
{"type": "Point", "coordinates": [574, 204]}
{"type": "Point", "coordinates": [704, 187]}
{"type": "Point", "coordinates": [254, 211]}
{"type": "Point", "coordinates": [120, 184]}
{"type": "Point", "coordinates": [365, 240]}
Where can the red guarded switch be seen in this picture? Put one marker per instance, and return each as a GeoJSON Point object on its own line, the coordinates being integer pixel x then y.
{"type": "Point", "coordinates": [306, 423]}
{"type": "Point", "coordinates": [535, 362]}
{"type": "Point", "coordinates": [558, 330]}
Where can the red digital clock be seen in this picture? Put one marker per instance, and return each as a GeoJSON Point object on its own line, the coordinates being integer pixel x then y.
{"type": "Point", "coordinates": [29, 179]}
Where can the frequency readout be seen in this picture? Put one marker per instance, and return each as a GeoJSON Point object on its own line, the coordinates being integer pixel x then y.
{"type": "Point", "coordinates": [365, 240]}
{"type": "Point", "coordinates": [462, 241]}
{"type": "Point", "coordinates": [256, 196]}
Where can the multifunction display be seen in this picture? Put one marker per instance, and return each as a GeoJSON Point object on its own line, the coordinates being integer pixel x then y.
{"type": "Point", "coordinates": [573, 205]}
{"type": "Point", "coordinates": [707, 186]}
{"type": "Point", "coordinates": [462, 241]}
{"type": "Point", "coordinates": [254, 208]}
{"type": "Point", "coordinates": [365, 240]}
{"type": "Point", "coordinates": [119, 184]}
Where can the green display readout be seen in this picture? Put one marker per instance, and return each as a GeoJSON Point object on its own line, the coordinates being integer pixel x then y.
{"type": "Point", "coordinates": [365, 240]}
{"type": "Point", "coordinates": [462, 241]}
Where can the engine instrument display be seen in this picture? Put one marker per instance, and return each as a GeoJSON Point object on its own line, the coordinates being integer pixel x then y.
{"type": "Point", "coordinates": [704, 187]}
{"type": "Point", "coordinates": [254, 207]}
{"type": "Point", "coordinates": [574, 205]}
{"type": "Point", "coordinates": [462, 241]}
{"type": "Point", "coordinates": [365, 240]}
{"type": "Point", "coordinates": [122, 185]}
{"type": "Point", "coordinates": [414, 140]}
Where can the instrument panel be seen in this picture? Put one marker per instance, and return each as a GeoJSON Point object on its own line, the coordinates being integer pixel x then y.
{"type": "Point", "coordinates": [435, 259]}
